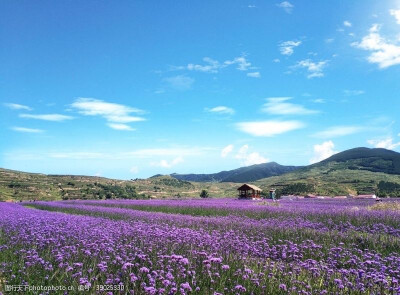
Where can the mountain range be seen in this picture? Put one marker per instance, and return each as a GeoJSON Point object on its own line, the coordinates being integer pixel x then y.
{"type": "Point", "coordinates": [374, 160]}
{"type": "Point", "coordinates": [243, 174]}
{"type": "Point", "coordinates": [358, 170]}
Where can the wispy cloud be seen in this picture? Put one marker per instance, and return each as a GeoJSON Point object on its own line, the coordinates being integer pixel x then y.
{"type": "Point", "coordinates": [269, 128]}
{"type": "Point", "coordinates": [346, 23]}
{"type": "Point", "coordinates": [242, 64]}
{"type": "Point", "coordinates": [348, 92]}
{"type": "Point", "coordinates": [281, 106]}
{"type": "Point", "coordinates": [337, 131]}
{"type": "Point", "coordinates": [319, 100]}
{"type": "Point", "coordinates": [323, 151]}
{"type": "Point", "coordinates": [122, 127]}
{"type": "Point", "coordinates": [383, 52]}
{"type": "Point", "coordinates": [226, 150]}
{"type": "Point", "coordinates": [15, 106]}
{"type": "Point", "coordinates": [248, 159]}
{"type": "Point", "coordinates": [396, 14]}
{"type": "Point", "coordinates": [314, 69]}
{"type": "Point", "coordinates": [210, 66]}
{"type": "Point", "coordinates": [286, 6]}
{"type": "Point", "coordinates": [27, 130]}
{"type": "Point", "coordinates": [287, 47]}
{"type": "Point", "coordinates": [221, 110]}
{"type": "Point", "coordinates": [117, 115]}
{"type": "Point", "coordinates": [180, 82]}
{"type": "Point", "coordinates": [168, 164]}
{"type": "Point", "coordinates": [254, 75]}
{"type": "Point", "coordinates": [386, 143]}
{"type": "Point", "coordinates": [47, 117]}
{"type": "Point", "coordinates": [214, 66]}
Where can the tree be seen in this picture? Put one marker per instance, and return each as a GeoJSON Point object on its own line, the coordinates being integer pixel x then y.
{"type": "Point", "coordinates": [204, 194]}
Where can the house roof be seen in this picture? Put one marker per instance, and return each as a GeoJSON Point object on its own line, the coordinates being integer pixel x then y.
{"type": "Point", "coordinates": [249, 186]}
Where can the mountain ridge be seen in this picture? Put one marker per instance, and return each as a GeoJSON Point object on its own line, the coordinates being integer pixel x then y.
{"type": "Point", "coordinates": [242, 174]}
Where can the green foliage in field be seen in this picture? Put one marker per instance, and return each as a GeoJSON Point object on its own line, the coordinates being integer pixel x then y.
{"type": "Point", "coordinates": [204, 194]}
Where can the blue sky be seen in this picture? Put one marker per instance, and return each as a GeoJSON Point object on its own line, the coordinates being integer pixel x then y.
{"type": "Point", "coordinates": [128, 89]}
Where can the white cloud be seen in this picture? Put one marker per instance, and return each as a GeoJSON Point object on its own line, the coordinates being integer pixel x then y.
{"type": "Point", "coordinates": [248, 159]}
{"type": "Point", "coordinates": [251, 6]}
{"type": "Point", "coordinates": [323, 151]}
{"type": "Point", "coordinates": [286, 48]}
{"type": "Point", "coordinates": [15, 106]}
{"type": "Point", "coordinates": [134, 169]}
{"type": "Point", "coordinates": [276, 60]}
{"type": "Point", "coordinates": [338, 131]}
{"type": "Point", "coordinates": [166, 164]}
{"type": "Point", "coordinates": [396, 14]}
{"type": "Point", "coordinates": [213, 66]}
{"type": "Point", "coordinates": [47, 117]}
{"type": "Point", "coordinates": [280, 106]}
{"type": "Point", "coordinates": [319, 100]}
{"type": "Point", "coordinates": [386, 143]}
{"type": "Point", "coordinates": [242, 63]}
{"type": "Point", "coordinates": [314, 69]}
{"type": "Point", "coordinates": [254, 75]}
{"type": "Point", "coordinates": [346, 23]}
{"type": "Point", "coordinates": [226, 150]}
{"type": "Point", "coordinates": [383, 52]}
{"type": "Point", "coordinates": [221, 110]}
{"type": "Point", "coordinates": [353, 92]}
{"type": "Point", "coordinates": [117, 115]}
{"type": "Point", "coordinates": [180, 82]}
{"type": "Point", "coordinates": [329, 40]}
{"type": "Point", "coordinates": [27, 130]}
{"type": "Point", "coordinates": [269, 128]}
{"type": "Point", "coordinates": [287, 6]}
{"type": "Point", "coordinates": [118, 126]}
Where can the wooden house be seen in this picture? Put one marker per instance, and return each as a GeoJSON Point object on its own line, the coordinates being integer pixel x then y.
{"type": "Point", "coordinates": [249, 191]}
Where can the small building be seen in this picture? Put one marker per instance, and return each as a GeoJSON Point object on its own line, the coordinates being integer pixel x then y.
{"type": "Point", "coordinates": [249, 191]}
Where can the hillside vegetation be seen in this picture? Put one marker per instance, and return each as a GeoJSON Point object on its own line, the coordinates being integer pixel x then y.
{"type": "Point", "coordinates": [243, 174]}
{"type": "Point", "coordinates": [354, 171]}
{"type": "Point", "coordinates": [16, 185]}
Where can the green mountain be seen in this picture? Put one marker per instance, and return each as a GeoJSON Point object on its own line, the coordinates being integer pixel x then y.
{"type": "Point", "coordinates": [243, 174]}
{"type": "Point", "coordinates": [375, 160]}
{"type": "Point", "coordinates": [358, 170]}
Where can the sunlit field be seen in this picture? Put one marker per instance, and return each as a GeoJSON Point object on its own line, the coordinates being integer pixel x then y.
{"type": "Point", "coordinates": [201, 247]}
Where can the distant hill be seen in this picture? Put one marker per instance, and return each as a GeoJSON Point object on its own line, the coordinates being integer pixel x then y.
{"type": "Point", "coordinates": [17, 185]}
{"type": "Point", "coordinates": [358, 170]}
{"type": "Point", "coordinates": [375, 160]}
{"type": "Point", "coordinates": [243, 174]}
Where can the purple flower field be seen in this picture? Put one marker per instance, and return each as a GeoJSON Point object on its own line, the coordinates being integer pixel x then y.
{"type": "Point", "coordinates": [200, 247]}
